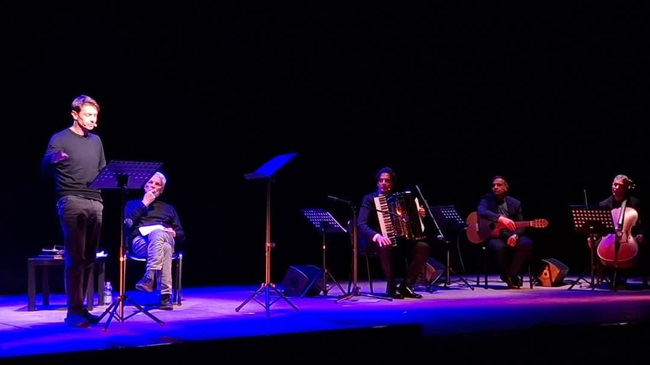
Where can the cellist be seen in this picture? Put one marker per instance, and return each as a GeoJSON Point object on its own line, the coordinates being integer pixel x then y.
{"type": "Point", "coordinates": [628, 224]}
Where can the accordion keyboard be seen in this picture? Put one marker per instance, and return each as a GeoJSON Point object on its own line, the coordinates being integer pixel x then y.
{"type": "Point", "coordinates": [385, 219]}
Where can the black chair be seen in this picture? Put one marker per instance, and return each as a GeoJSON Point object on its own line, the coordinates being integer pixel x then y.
{"type": "Point", "coordinates": [485, 270]}
{"type": "Point", "coordinates": [361, 253]}
{"type": "Point", "coordinates": [367, 254]}
{"type": "Point", "coordinates": [177, 271]}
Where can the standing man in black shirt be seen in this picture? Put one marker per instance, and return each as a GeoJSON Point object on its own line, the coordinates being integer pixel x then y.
{"type": "Point", "coordinates": [74, 157]}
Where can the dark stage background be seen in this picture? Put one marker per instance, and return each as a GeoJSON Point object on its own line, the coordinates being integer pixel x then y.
{"type": "Point", "coordinates": [552, 96]}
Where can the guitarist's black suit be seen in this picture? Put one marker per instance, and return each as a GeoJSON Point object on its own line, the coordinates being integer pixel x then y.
{"type": "Point", "coordinates": [510, 260]}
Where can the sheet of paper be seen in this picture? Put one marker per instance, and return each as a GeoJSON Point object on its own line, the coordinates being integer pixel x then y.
{"type": "Point", "coordinates": [148, 229]}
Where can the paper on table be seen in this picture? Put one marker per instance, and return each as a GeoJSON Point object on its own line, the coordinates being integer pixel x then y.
{"type": "Point", "coordinates": [148, 229]}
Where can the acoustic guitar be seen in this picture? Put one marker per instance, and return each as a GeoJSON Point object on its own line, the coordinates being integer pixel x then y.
{"type": "Point", "coordinates": [480, 229]}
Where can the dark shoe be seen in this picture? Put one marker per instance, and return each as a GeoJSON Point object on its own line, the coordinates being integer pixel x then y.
{"type": "Point", "coordinates": [166, 302]}
{"type": "Point", "coordinates": [145, 284]}
{"type": "Point", "coordinates": [511, 281]}
{"type": "Point", "coordinates": [395, 295]}
{"type": "Point", "coordinates": [76, 320]}
{"type": "Point", "coordinates": [91, 318]}
{"type": "Point", "coordinates": [407, 292]}
{"type": "Point", "coordinates": [391, 291]}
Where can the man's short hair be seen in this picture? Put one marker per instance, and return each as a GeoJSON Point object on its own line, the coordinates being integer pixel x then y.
{"type": "Point", "coordinates": [386, 170]}
{"type": "Point", "coordinates": [162, 177]}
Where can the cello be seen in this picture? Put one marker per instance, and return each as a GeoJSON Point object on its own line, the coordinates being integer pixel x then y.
{"type": "Point", "coordinates": [620, 249]}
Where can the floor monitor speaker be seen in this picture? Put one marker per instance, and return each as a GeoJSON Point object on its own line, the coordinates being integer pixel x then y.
{"type": "Point", "coordinates": [303, 280]}
{"type": "Point", "coordinates": [552, 272]}
{"type": "Point", "coordinates": [433, 269]}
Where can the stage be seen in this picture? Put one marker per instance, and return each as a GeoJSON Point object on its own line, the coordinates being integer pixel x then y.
{"type": "Point", "coordinates": [456, 322]}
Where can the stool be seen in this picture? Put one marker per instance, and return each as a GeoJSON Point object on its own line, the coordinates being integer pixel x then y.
{"type": "Point", "coordinates": [45, 263]}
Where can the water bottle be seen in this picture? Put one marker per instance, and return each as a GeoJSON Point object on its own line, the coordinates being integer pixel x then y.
{"type": "Point", "coordinates": [108, 293]}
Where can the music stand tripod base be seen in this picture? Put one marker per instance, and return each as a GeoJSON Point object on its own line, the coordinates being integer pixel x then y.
{"type": "Point", "coordinates": [267, 303]}
{"type": "Point", "coordinates": [115, 306]}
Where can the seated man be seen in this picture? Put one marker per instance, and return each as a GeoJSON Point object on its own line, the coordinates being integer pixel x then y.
{"type": "Point", "coordinates": [629, 236]}
{"type": "Point", "coordinates": [152, 228]}
{"type": "Point", "coordinates": [508, 243]}
{"type": "Point", "coordinates": [371, 237]}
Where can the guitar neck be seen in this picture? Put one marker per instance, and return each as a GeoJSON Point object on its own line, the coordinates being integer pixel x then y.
{"type": "Point", "coordinates": [523, 224]}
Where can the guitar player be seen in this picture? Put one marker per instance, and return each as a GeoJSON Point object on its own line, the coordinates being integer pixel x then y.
{"type": "Point", "coordinates": [510, 248]}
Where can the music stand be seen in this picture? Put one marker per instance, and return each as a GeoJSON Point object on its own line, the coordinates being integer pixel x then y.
{"type": "Point", "coordinates": [266, 171]}
{"type": "Point", "coordinates": [594, 221]}
{"type": "Point", "coordinates": [324, 222]}
{"type": "Point", "coordinates": [124, 175]}
{"type": "Point", "coordinates": [451, 220]}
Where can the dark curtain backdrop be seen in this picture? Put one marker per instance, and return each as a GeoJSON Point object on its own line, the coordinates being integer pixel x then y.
{"type": "Point", "coordinates": [552, 96]}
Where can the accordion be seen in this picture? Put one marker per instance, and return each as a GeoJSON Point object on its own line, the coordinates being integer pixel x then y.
{"type": "Point", "coordinates": [398, 216]}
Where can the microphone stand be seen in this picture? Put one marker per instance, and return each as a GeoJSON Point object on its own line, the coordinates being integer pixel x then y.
{"type": "Point", "coordinates": [441, 237]}
{"type": "Point", "coordinates": [355, 290]}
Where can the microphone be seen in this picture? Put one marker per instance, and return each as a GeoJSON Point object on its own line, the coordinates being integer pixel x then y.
{"type": "Point", "coordinates": [339, 199]}
{"type": "Point", "coordinates": [128, 222]}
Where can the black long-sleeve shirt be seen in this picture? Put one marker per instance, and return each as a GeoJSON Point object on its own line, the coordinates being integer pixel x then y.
{"type": "Point", "coordinates": [137, 215]}
{"type": "Point", "coordinates": [73, 175]}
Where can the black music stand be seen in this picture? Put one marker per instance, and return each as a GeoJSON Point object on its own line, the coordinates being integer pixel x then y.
{"type": "Point", "coordinates": [594, 221]}
{"type": "Point", "coordinates": [324, 222]}
{"type": "Point", "coordinates": [450, 220]}
{"type": "Point", "coordinates": [124, 175]}
{"type": "Point", "coordinates": [266, 172]}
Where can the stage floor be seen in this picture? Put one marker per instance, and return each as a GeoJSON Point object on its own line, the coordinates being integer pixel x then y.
{"type": "Point", "coordinates": [467, 319]}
